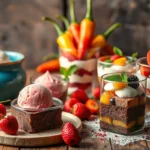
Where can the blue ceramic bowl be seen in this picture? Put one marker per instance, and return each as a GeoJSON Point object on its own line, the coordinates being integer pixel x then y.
{"type": "Point", "coordinates": [12, 76]}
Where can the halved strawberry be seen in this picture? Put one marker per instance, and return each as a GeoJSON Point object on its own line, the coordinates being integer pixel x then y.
{"type": "Point", "coordinates": [145, 70]}
{"type": "Point", "coordinates": [148, 57]}
{"type": "Point", "coordinates": [114, 57]}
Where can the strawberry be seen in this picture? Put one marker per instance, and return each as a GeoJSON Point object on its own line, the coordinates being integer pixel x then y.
{"type": "Point", "coordinates": [96, 92]}
{"type": "Point", "coordinates": [2, 109]}
{"type": "Point", "coordinates": [81, 111]}
{"type": "Point", "coordinates": [69, 103]}
{"type": "Point", "coordinates": [92, 105]}
{"type": "Point", "coordinates": [9, 125]}
{"type": "Point", "coordinates": [148, 57]}
{"type": "Point", "coordinates": [70, 134]}
{"type": "Point", "coordinates": [114, 57]}
{"type": "Point", "coordinates": [80, 95]}
{"type": "Point", "coordinates": [145, 70]}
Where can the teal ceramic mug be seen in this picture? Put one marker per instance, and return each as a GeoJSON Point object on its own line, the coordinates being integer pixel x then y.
{"type": "Point", "coordinates": [12, 76]}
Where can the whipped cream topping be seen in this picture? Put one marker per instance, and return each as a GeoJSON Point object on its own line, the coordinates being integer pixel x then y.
{"type": "Point", "coordinates": [3, 57]}
{"type": "Point", "coordinates": [88, 65]}
{"type": "Point", "coordinates": [114, 68]}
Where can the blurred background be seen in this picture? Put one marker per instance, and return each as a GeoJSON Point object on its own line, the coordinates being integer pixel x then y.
{"type": "Point", "coordinates": [22, 30]}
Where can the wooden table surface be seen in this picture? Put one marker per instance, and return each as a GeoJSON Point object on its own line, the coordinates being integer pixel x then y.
{"type": "Point", "coordinates": [87, 143]}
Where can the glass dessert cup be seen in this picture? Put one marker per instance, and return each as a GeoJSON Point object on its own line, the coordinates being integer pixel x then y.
{"type": "Point", "coordinates": [34, 121]}
{"type": "Point", "coordinates": [105, 67]}
{"type": "Point", "coordinates": [144, 69]}
{"type": "Point", "coordinates": [58, 89]}
{"type": "Point", "coordinates": [122, 104]}
{"type": "Point", "coordinates": [86, 72]}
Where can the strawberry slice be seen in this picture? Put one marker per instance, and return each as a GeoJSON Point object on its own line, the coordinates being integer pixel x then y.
{"type": "Point", "coordinates": [148, 57]}
{"type": "Point", "coordinates": [145, 71]}
{"type": "Point", "coordinates": [114, 57]}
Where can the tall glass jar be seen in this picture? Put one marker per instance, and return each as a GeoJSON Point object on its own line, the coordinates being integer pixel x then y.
{"type": "Point", "coordinates": [122, 103]}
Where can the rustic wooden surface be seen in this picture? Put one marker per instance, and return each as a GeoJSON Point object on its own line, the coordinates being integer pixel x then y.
{"type": "Point", "coordinates": [87, 143]}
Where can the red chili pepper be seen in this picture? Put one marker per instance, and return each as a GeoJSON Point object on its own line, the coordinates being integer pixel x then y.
{"type": "Point", "coordinates": [74, 26]}
{"type": "Point", "coordinates": [87, 28]}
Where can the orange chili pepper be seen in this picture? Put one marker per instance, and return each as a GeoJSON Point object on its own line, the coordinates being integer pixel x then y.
{"type": "Point", "coordinates": [51, 65]}
{"type": "Point", "coordinates": [63, 40]}
{"type": "Point", "coordinates": [74, 26]}
{"type": "Point", "coordinates": [67, 25]}
{"type": "Point", "coordinates": [100, 40]}
{"type": "Point", "coordinates": [87, 28]}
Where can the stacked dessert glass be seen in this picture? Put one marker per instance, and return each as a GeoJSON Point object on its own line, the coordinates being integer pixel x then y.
{"type": "Point", "coordinates": [79, 47]}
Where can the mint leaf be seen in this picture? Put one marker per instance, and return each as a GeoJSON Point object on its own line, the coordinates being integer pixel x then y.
{"type": "Point", "coordinates": [124, 77]}
{"type": "Point", "coordinates": [114, 78]}
{"type": "Point", "coordinates": [134, 55]}
{"type": "Point", "coordinates": [68, 72]}
{"type": "Point", "coordinates": [118, 51]}
{"type": "Point", "coordinates": [72, 70]}
{"type": "Point", "coordinates": [132, 59]}
{"type": "Point", "coordinates": [63, 71]}
{"type": "Point", "coordinates": [107, 63]}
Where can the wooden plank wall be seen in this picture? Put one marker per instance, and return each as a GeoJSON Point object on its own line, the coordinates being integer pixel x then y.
{"type": "Point", "coordinates": [22, 30]}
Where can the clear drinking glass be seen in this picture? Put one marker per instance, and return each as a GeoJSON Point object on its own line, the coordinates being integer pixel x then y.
{"type": "Point", "coordinates": [57, 85]}
{"type": "Point", "coordinates": [122, 103]}
{"type": "Point", "coordinates": [104, 67]}
{"type": "Point", "coordinates": [86, 74]}
{"type": "Point", "coordinates": [144, 69]}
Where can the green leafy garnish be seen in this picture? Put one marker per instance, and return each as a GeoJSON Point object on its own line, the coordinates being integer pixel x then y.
{"type": "Point", "coordinates": [124, 77]}
{"type": "Point", "coordinates": [107, 63]}
{"type": "Point", "coordinates": [50, 57]}
{"type": "Point", "coordinates": [68, 72]}
{"type": "Point", "coordinates": [118, 77]}
{"type": "Point", "coordinates": [133, 56]}
{"type": "Point", "coordinates": [114, 78]}
{"type": "Point", "coordinates": [117, 51]}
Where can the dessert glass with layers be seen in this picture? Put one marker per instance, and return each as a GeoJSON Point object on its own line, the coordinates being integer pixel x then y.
{"type": "Point", "coordinates": [122, 103]}
{"type": "Point", "coordinates": [144, 69]}
{"type": "Point", "coordinates": [54, 82]}
{"type": "Point", "coordinates": [86, 74]}
{"type": "Point", "coordinates": [107, 67]}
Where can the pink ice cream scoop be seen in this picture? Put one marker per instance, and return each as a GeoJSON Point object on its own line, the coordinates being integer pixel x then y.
{"type": "Point", "coordinates": [53, 83]}
{"type": "Point", "coordinates": [34, 96]}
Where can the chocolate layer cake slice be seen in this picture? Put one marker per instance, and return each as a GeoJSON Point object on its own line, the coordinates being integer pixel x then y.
{"type": "Point", "coordinates": [123, 114]}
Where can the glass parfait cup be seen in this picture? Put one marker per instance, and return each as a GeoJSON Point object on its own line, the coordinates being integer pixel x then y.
{"type": "Point", "coordinates": [86, 74]}
{"type": "Point", "coordinates": [122, 103]}
{"type": "Point", "coordinates": [104, 67]}
{"type": "Point", "coordinates": [144, 69]}
{"type": "Point", "coordinates": [57, 85]}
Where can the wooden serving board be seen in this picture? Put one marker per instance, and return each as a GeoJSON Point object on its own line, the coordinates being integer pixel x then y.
{"type": "Point", "coordinates": [45, 138]}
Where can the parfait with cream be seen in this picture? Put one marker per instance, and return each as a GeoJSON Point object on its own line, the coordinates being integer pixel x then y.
{"type": "Point", "coordinates": [116, 63]}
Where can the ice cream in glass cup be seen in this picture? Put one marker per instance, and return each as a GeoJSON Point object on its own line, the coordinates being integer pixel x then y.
{"type": "Point", "coordinates": [144, 68]}
{"type": "Point", "coordinates": [114, 63]}
{"type": "Point", "coordinates": [54, 82]}
{"type": "Point", "coordinates": [122, 102]}
{"type": "Point", "coordinates": [85, 74]}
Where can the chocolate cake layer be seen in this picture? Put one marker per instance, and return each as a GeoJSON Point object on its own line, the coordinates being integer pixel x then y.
{"type": "Point", "coordinates": [33, 122]}
{"type": "Point", "coordinates": [123, 114]}
{"type": "Point", "coordinates": [119, 129]}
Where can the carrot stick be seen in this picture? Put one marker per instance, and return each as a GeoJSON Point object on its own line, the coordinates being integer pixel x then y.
{"type": "Point", "coordinates": [51, 65]}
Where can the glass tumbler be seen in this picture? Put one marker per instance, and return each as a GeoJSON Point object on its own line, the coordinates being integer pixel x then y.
{"type": "Point", "coordinates": [122, 102]}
